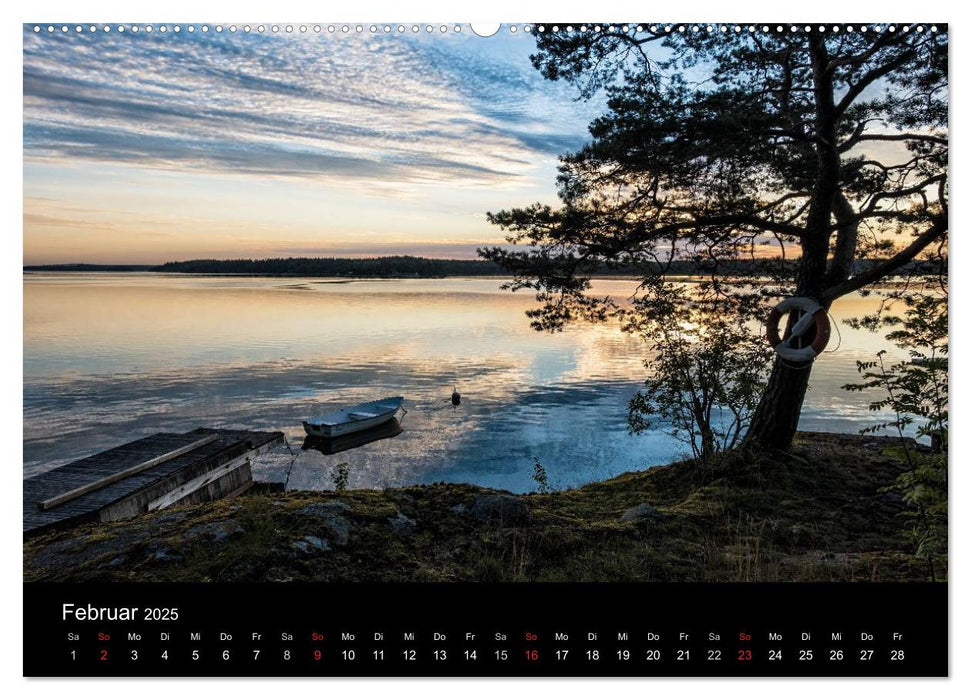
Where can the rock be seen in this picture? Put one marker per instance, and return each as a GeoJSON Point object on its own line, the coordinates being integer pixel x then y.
{"type": "Point", "coordinates": [460, 509]}
{"type": "Point", "coordinates": [170, 518]}
{"type": "Point", "coordinates": [278, 576]}
{"type": "Point", "coordinates": [508, 510]}
{"type": "Point", "coordinates": [325, 510]}
{"type": "Point", "coordinates": [56, 553]}
{"type": "Point", "coordinates": [242, 571]}
{"type": "Point", "coordinates": [641, 513]}
{"type": "Point", "coordinates": [340, 530]}
{"type": "Point", "coordinates": [332, 515]}
{"type": "Point", "coordinates": [215, 532]}
{"type": "Point", "coordinates": [401, 525]}
{"type": "Point", "coordinates": [163, 555]}
{"type": "Point", "coordinates": [309, 544]}
{"type": "Point", "coordinates": [78, 550]}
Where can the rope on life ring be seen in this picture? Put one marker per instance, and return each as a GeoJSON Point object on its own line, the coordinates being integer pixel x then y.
{"type": "Point", "coordinates": [812, 312]}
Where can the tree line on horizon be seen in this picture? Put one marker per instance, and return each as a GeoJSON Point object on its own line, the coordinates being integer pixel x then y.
{"type": "Point", "coordinates": [403, 266]}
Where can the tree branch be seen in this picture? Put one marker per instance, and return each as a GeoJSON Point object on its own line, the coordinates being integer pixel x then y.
{"type": "Point", "coordinates": [855, 139]}
{"type": "Point", "coordinates": [916, 188]}
{"type": "Point", "coordinates": [888, 266]}
{"type": "Point", "coordinates": [870, 77]}
{"type": "Point", "coordinates": [728, 220]}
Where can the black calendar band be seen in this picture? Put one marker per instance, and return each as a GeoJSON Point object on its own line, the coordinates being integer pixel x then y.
{"type": "Point", "coordinates": [542, 630]}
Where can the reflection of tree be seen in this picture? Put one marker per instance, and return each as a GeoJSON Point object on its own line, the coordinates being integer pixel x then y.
{"type": "Point", "coordinates": [828, 148]}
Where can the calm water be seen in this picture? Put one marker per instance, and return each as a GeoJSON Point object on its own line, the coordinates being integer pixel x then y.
{"type": "Point", "coordinates": [108, 358]}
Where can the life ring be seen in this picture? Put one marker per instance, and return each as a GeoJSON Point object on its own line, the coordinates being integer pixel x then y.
{"type": "Point", "coordinates": [811, 312]}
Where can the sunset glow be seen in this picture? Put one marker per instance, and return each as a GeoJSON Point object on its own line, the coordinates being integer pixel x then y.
{"type": "Point", "coordinates": [143, 148]}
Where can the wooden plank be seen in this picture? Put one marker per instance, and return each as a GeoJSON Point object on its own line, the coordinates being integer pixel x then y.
{"type": "Point", "coordinates": [227, 486]}
{"type": "Point", "coordinates": [124, 473]}
{"type": "Point", "coordinates": [130, 496]}
{"type": "Point", "coordinates": [185, 489]}
{"type": "Point", "coordinates": [240, 491]}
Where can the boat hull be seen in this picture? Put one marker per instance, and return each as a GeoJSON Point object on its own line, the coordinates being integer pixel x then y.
{"type": "Point", "coordinates": [332, 431]}
{"type": "Point", "coordinates": [355, 419]}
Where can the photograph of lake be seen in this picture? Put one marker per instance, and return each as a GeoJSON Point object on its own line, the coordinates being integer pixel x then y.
{"type": "Point", "coordinates": [110, 356]}
{"type": "Point", "coordinates": [425, 302]}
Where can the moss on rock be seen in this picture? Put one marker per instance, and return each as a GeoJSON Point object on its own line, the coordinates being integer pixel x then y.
{"type": "Point", "coordinates": [815, 514]}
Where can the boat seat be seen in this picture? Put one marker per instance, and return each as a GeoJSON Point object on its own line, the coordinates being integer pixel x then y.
{"type": "Point", "coordinates": [362, 414]}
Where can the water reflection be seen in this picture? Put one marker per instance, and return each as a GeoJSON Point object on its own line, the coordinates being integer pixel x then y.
{"type": "Point", "coordinates": [109, 358]}
{"type": "Point", "coordinates": [333, 446]}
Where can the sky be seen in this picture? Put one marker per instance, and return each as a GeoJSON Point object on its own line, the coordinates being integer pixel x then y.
{"type": "Point", "coordinates": [150, 147]}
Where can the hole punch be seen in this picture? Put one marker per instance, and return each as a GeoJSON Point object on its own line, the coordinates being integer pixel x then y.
{"type": "Point", "coordinates": [485, 29]}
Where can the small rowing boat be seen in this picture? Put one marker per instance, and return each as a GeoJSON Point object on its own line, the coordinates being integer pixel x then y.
{"type": "Point", "coordinates": [354, 419]}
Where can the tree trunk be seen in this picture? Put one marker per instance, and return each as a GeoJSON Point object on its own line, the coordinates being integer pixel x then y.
{"type": "Point", "coordinates": [777, 416]}
{"type": "Point", "coordinates": [708, 447]}
{"type": "Point", "coordinates": [775, 421]}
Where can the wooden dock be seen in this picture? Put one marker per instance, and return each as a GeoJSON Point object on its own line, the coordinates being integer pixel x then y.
{"type": "Point", "coordinates": [148, 474]}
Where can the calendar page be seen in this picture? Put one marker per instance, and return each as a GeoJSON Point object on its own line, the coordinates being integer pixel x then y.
{"type": "Point", "coordinates": [524, 349]}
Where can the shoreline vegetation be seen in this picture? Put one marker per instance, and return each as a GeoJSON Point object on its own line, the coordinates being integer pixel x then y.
{"type": "Point", "coordinates": [820, 512]}
{"type": "Point", "coordinates": [407, 266]}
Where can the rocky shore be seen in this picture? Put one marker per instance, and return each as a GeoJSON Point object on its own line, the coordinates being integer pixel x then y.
{"type": "Point", "coordinates": [817, 513]}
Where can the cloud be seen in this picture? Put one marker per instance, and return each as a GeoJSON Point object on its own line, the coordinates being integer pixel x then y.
{"type": "Point", "coordinates": [390, 111]}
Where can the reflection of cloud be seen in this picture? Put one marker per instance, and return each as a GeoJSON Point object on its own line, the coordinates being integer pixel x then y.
{"type": "Point", "coordinates": [378, 109]}
{"type": "Point", "coordinates": [305, 346]}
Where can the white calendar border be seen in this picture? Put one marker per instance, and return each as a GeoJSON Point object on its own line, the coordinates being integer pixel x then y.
{"type": "Point", "coordinates": [439, 10]}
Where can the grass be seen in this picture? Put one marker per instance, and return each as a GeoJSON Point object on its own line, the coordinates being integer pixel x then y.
{"type": "Point", "coordinates": [814, 514]}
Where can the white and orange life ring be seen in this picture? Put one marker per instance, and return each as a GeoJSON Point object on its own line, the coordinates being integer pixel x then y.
{"type": "Point", "coordinates": [792, 347]}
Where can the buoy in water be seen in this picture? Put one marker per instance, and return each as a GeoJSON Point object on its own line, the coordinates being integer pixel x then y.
{"type": "Point", "coordinates": [456, 397]}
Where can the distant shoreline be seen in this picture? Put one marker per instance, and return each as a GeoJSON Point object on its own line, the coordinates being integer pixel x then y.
{"type": "Point", "coordinates": [325, 279]}
{"type": "Point", "coordinates": [391, 267]}
{"type": "Point", "coordinates": [400, 267]}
